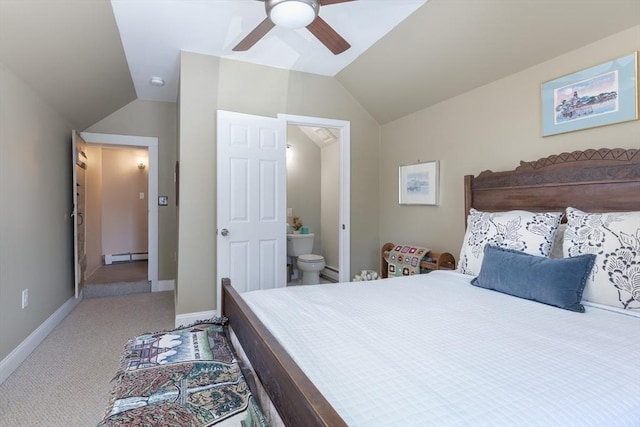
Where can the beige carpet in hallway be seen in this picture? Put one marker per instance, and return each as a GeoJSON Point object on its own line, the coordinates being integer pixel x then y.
{"type": "Point", "coordinates": [119, 279]}
{"type": "Point", "coordinates": [119, 272]}
{"type": "Point", "coordinates": [66, 380]}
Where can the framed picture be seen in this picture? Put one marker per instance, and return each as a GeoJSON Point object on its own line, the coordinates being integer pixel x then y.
{"type": "Point", "coordinates": [419, 183]}
{"type": "Point", "coordinates": [597, 96]}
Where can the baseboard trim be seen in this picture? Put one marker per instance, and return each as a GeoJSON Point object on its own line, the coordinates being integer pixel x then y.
{"type": "Point", "coordinates": [163, 285]}
{"type": "Point", "coordinates": [331, 273]}
{"type": "Point", "coordinates": [22, 351]}
{"type": "Point", "coordinates": [191, 318]}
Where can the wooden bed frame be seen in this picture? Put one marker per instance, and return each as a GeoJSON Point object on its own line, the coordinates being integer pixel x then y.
{"type": "Point", "coordinates": [592, 180]}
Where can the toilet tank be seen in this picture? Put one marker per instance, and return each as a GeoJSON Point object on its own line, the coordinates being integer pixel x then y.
{"type": "Point", "coordinates": [299, 244]}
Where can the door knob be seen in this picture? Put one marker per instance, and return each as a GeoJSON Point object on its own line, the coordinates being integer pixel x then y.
{"type": "Point", "coordinates": [224, 232]}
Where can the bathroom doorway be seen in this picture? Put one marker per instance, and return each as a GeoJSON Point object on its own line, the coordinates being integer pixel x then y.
{"type": "Point", "coordinates": [318, 187]}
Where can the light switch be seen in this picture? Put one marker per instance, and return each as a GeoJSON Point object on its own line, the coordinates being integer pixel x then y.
{"type": "Point", "coordinates": [289, 211]}
{"type": "Point", "coordinates": [141, 196]}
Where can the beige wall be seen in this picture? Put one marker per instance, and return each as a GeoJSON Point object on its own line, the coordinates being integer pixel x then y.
{"type": "Point", "coordinates": [329, 211]}
{"type": "Point", "coordinates": [303, 182]}
{"type": "Point", "coordinates": [197, 210]}
{"type": "Point", "coordinates": [209, 83]}
{"type": "Point", "coordinates": [156, 119]}
{"type": "Point", "coordinates": [492, 127]}
{"type": "Point", "coordinates": [313, 95]}
{"type": "Point", "coordinates": [313, 190]}
{"type": "Point", "coordinates": [93, 220]}
{"type": "Point", "coordinates": [35, 203]}
{"type": "Point", "coordinates": [124, 213]}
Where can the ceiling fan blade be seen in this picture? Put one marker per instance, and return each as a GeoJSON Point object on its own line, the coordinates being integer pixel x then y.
{"type": "Point", "coordinates": [328, 2]}
{"type": "Point", "coordinates": [328, 36]}
{"type": "Point", "coordinates": [254, 36]}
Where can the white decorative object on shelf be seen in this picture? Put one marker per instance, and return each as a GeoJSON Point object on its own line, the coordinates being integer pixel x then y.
{"type": "Point", "coordinates": [365, 275]}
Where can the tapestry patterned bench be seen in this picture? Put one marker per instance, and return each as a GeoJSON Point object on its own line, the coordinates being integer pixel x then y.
{"type": "Point", "coordinates": [184, 377]}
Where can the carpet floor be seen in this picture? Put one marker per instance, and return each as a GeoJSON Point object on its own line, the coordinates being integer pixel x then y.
{"type": "Point", "coordinates": [66, 380]}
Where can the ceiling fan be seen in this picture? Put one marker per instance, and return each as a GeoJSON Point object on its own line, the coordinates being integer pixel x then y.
{"type": "Point", "coordinates": [297, 14]}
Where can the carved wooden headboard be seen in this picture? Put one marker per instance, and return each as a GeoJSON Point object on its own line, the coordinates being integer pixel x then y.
{"type": "Point", "coordinates": [591, 180]}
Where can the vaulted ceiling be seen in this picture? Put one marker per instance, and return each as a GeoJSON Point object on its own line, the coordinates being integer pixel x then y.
{"type": "Point", "coordinates": [76, 54]}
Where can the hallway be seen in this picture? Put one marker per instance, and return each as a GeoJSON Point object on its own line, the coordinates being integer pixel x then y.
{"type": "Point", "coordinates": [119, 272]}
{"type": "Point", "coordinates": [118, 279]}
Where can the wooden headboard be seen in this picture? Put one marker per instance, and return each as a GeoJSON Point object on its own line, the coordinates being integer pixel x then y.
{"type": "Point", "coordinates": [591, 180]}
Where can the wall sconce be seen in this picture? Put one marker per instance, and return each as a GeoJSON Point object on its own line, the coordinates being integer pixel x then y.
{"type": "Point", "coordinates": [289, 153]}
{"type": "Point", "coordinates": [142, 163]}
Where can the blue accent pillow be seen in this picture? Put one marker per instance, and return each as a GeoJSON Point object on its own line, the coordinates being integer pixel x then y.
{"type": "Point", "coordinates": [557, 282]}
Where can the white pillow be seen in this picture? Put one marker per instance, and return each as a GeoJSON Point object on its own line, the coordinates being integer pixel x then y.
{"type": "Point", "coordinates": [529, 232]}
{"type": "Point", "coordinates": [614, 237]}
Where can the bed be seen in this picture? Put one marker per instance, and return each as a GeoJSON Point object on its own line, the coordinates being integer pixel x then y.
{"type": "Point", "coordinates": [434, 349]}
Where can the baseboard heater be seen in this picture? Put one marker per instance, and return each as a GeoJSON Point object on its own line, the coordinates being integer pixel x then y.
{"type": "Point", "coordinates": [126, 257]}
{"type": "Point", "coordinates": [331, 273]}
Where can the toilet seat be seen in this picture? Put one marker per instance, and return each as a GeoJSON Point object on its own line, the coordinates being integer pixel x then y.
{"type": "Point", "coordinates": [310, 258]}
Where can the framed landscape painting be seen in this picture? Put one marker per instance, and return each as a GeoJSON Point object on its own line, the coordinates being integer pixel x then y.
{"type": "Point", "coordinates": [418, 183]}
{"type": "Point", "coordinates": [596, 96]}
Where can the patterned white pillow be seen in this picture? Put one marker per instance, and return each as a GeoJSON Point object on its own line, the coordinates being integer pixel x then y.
{"type": "Point", "coordinates": [529, 232]}
{"type": "Point", "coordinates": [614, 237]}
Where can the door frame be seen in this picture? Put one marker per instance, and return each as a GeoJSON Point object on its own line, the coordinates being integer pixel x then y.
{"type": "Point", "coordinates": [151, 143]}
{"type": "Point", "coordinates": [344, 217]}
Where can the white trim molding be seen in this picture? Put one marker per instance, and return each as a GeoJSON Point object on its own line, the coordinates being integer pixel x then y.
{"type": "Point", "coordinates": [163, 285]}
{"type": "Point", "coordinates": [24, 349]}
{"type": "Point", "coordinates": [151, 142]}
{"type": "Point", "coordinates": [344, 238]}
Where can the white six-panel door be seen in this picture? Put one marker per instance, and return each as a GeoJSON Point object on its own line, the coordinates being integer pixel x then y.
{"type": "Point", "coordinates": [251, 185]}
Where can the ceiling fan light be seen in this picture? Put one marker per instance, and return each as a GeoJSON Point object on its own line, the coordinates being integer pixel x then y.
{"type": "Point", "coordinates": [292, 13]}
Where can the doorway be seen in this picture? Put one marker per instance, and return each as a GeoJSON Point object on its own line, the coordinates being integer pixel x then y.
{"type": "Point", "coordinates": [313, 189]}
{"type": "Point", "coordinates": [340, 129]}
{"type": "Point", "coordinates": [116, 221]}
{"type": "Point", "coordinates": [251, 202]}
{"type": "Point", "coordinates": [150, 145]}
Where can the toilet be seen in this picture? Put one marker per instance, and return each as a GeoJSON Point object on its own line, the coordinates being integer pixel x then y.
{"type": "Point", "coordinates": [299, 247]}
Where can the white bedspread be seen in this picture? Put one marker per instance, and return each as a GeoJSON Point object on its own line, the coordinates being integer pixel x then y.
{"type": "Point", "coordinates": [432, 350]}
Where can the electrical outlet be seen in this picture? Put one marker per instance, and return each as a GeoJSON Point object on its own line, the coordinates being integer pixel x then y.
{"type": "Point", "coordinates": [25, 298]}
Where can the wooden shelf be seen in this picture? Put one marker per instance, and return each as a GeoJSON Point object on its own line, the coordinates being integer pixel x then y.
{"type": "Point", "coordinates": [441, 260]}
